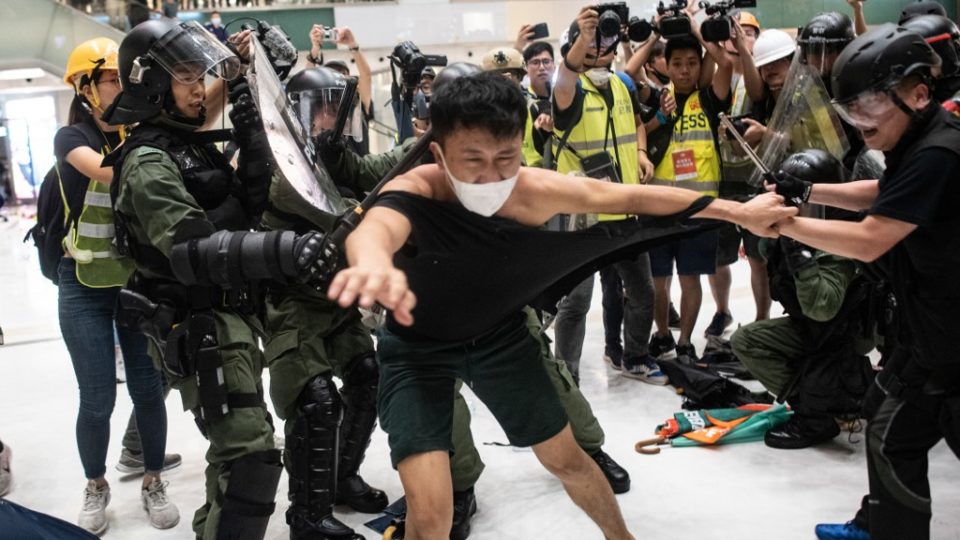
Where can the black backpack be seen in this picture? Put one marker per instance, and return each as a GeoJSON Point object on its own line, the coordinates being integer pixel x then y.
{"type": "Point", "coordinates": [53, 222]}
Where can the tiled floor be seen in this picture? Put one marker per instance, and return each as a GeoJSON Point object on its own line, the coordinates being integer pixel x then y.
{"type": "Point", "coordinates": [734, 492]}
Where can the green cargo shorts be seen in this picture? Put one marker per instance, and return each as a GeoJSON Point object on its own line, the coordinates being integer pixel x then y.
{"type": "Point", "coordinates": [503, 368]}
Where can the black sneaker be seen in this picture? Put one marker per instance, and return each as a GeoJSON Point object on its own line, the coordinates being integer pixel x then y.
{"type": "Point", "coordinates": [719, 323]}
{"type": "Point", "coordinates": [464, 507]}
{"type": "Point", "coordinates": [674, 318]}
{"type": "Point", "coordinates": [662, 347]}
{"type": "Point", "coordinates": [618, 477]}
{"type": "Point", "coordinates": [613, 358]}
{"type": "Point", "coordinates": [802, 432]}
{"type": "Point", "coordinates": [687, 354]}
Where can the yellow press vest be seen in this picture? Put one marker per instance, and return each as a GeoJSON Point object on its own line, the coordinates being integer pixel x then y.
{"type": "Point", "coordinates": [531, 158]}
{"type": "Point", "coordinates": [691, 159]}
{"type": "Point", "coordinates": [90, 241]}
{"type": "Point", "coordinates": [601, 130]}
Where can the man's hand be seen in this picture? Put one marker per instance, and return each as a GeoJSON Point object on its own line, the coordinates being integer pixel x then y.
{"type": "Point", "coordinates": [645, 165]}
{"type": "Point", "coordinates": [668, 104]}
{"type": "Point", "coordinates": [736, 36]}
{"type": "Point", "coordinates": [524, 37]}
{"type": "Point", "coordinates": [796, 190]}
{"type": "Point", "coordinates": [384, 285]}
{"type": "Point", "coordinates": [345, 37]}
{"type": "Point", "coordinates": [587, 21]}
{"type": "Point", "coordinates": [241, 42]}
{"type": "Point", "coordinates": [544, 122]}
{"type": "Point", "coordinates": [754, 133]}
{"type": "Point", "coordinates": [762, 213]}
{"type": "Point", "coordinates": [316, 35]}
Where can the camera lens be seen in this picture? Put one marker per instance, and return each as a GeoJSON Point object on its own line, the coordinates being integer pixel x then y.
{"type": "Point", "coordinates": [609, 24]}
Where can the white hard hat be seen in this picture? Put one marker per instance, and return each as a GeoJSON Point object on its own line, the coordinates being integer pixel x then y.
{"type": "Point", "coordinates": [772, 45]}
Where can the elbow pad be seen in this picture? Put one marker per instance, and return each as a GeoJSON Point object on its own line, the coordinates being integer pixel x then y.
{"type": "Point", "coordinates": [232, 258]}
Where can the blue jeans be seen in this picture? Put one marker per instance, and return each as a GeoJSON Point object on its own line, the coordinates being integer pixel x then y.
{"type": "Point", "coordinates": [87, 325]}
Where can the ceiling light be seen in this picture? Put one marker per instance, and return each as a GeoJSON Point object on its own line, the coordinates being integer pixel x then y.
{"type": "Point", "coordinates": [20, 74]}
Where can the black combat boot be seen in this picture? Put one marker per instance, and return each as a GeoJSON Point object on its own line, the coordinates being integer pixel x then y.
{"type": "Point", "coordinates": [618, 477]}
{"type": "Point", "coordinates": [464, 507]}
{"type": "Point", "coordinates": [311, 460]}
{"type": "Point", "coordinates": [802, 431]}
{"type": "Point", "coordinates": [359, 395]}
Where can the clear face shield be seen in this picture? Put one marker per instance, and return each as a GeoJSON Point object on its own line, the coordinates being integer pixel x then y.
{"type": "Point", "coordinates": [190, 55]}
{"type": "Point", "coordinates": [318, 110]}
{"type": "Point", "coordinates": [821, 53]}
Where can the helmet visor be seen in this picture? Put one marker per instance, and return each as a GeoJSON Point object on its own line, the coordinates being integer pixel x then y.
{"type": "Point", "coordinates": [868, 110]}
{"type": "Point", "coordinates": [820, 54]}
{"type": "Point", "coordinates": [191, 54]}
{"type": "Point", "coordinates": [318, 110]}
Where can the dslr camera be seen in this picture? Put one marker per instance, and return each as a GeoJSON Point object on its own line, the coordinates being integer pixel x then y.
{"type": "Point", "coordinates": [719, 26]}
{"type": "Point", "coordinates": [411, 62]}
{"type": "Point", "coordinates": [674, 22]}
{"type": "Point", "coordinates": [613, 16]}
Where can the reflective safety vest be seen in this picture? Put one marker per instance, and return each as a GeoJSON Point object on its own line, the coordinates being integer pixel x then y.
{"type": "Point", "coordinates": [691, 159]}
{"type": "Point", "coordinates": [531, 158]}
{"type": "Point", "coordinates": [90, 240]}
{"type": "Point", "coordinates": [599, 130]}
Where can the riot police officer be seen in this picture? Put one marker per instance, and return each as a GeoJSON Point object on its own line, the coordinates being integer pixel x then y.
{"type": "Point", "coordinates": [882, 85]}
{"type": "Point", "coordinates": [184, 215]}
{"type": "Point", "coordinates": [311, 340]}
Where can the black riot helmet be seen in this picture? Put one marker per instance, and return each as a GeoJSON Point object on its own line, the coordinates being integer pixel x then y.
{"type": "Point", "coordinates": [317, 94]}
{"type": "Point", "coordinates": [455, 71]}
{"type": "Point", "coordinates": [942, 34]}
{"type": "Point", "coordinates": [814, 165]}
{"type": "Point", "coordinates": [922, 7]}
{"type": "Point", "coordinates": [156, 52]}
{"type": "Point", "coordinates": [823, 38]}
{"type": "Point", "coordinates": [879, 59]}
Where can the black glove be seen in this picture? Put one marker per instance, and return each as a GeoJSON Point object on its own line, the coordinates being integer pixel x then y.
{"type": "Point", "coordinates": [797, 256]}
{"type": "Point", "coordinates": [317, 259]}
{"type": "Point", "coordinates": [330, 150]}
{"type": "Point", "coordinates": [795, 190]}
{"type": "Point", "coordinates": [246, 118]}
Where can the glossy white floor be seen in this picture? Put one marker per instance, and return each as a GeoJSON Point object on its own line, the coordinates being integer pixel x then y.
{"type": "Point", "coordinates": [741, 491]}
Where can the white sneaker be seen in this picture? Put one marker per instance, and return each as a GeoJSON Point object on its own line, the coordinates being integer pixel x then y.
{"type": "Point", "coordinates": [6, 477]}
{"type": "Point", "coordinates": [163, 513]}
{"type": "Point", "coordinates": [93, 517]}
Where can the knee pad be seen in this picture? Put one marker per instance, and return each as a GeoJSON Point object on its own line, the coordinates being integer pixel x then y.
{"type": "Point", "coordinates": [249, 499]}
{"type": "Point", "coordinates": [362, 370]}
{"type": "Point", "coordinates": [319, 402]}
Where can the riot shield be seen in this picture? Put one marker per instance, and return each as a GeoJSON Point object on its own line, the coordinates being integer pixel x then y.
{"type": "Point", "coordinates": [298, 171]}
{"type": "Point", "coordinates": [803, 118]}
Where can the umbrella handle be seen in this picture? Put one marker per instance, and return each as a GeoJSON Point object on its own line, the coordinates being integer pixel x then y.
{"type": "Point", "coordinates": [643, 446]}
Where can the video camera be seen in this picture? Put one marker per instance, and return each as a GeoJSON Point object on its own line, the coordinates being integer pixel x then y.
{"type": "Point", "coordinates": [280, 49]}
{"type": "Point", "coordinates": [613, 16]}
{"type": "Point", "coordinates": [674, 22]}
{"type": "Point", "coordinates": [719, 26]}
{"type": "Point", "coordinates": [412, 62]}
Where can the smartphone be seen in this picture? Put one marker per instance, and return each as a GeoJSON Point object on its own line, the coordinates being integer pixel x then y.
{"type": "Point", "coordinates": [540, 31]}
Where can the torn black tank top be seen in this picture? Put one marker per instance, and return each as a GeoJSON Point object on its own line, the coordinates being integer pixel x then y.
{"type": "Point", "coordinates": [470, 272]}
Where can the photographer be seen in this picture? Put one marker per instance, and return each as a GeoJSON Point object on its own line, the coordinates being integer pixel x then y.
{"type": "Point", "coordinates": [601, 135]}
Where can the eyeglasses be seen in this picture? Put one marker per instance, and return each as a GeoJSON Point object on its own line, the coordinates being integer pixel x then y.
{"type": "Point", "coordinates": [537, 62]}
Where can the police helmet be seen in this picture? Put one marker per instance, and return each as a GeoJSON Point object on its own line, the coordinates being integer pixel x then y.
{"type": "Point", "coordinates": [813, 165]}
{"type": "Point", "coordinates": [942, 34]}
{"type": "Point", "coordinates": [832, 29]}
{"type": "Point", "coordinates": [921, 8]}
{"type": "Point", "coordinates": [878, 60]}
{"type": "Point", "coordinates": [317, 95]}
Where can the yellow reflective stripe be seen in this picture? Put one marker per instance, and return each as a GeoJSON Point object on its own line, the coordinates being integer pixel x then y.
{"type": "Point", "coordinates": [703, 186]}
{"type": "Point", "coordinates": [691, 135]}
{"type": "Point", "coordinates": [100, 200]}
{"type": "Point", "coordinates": [599, 144]}
{"type": "Point", "coordinates": [95, 230]}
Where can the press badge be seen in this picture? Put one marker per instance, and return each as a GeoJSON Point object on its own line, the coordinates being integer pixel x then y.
{"type": "Point", "coordinates": [684, 165]}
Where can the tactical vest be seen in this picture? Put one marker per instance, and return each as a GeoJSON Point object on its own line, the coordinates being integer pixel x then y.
{"type": "Point", "coordinates": [207, 177]}
{"type": "Point", "coordinates": [601, 129]}
{"type": "Point", "coordinates": [90, 238]}
{"type": "Point", "coordinates": [691, 159]}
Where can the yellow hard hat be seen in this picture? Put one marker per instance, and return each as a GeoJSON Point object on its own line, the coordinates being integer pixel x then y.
{"type": "Point", "coordinates": [94, 55]}
{"type": "Point", "coordinates": [502, 59]}
{"type": "Point", "coordinates": [748, 19]}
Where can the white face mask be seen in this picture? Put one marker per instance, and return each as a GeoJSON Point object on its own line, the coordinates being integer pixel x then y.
{"type": "Point", "coordinates": [215, 21]}
{"type": "Point", "coordinates": [599, 76]}
{"type": "Point", "coordinates": [484, 199]}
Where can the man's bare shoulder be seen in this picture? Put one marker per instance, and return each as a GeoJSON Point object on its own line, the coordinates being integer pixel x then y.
{"type": "Point", "coordinates": [419, 181]}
